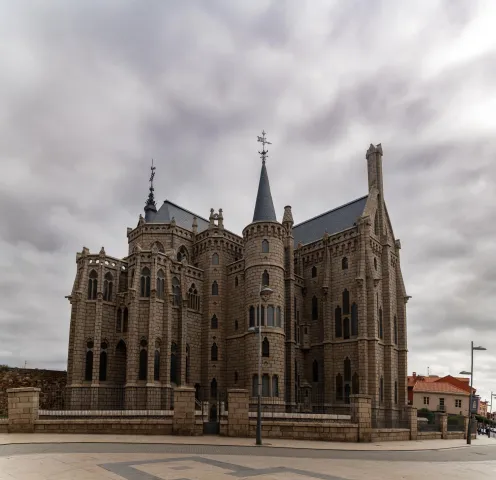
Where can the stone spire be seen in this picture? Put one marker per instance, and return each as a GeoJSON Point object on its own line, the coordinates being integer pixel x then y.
{"type": "Point", "coordinates": [264, 206]}
{"type": "Point", "coordinates": [150, 207]}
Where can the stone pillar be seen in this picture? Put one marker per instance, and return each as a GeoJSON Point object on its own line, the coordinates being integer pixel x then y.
{"type": "Point", "coordinates": [183, 422]}
{"type": "Point", "coordinates": [23, 409]}
{"type": "Point", "coordinates": [361, 414]}
{"type": "Point", "coordinates": [443, 422]}
{"type": "Point", "coordinates": [411, 414]}
{"type": "Point", "coordinates": [238, 421]}
{"type": "Point", "coordinates": [465, 426]}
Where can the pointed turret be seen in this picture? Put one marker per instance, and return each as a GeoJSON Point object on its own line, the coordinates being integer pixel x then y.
{"type": "Point", "coordinates": [150, 207]}
{"type": "Point", "coordinates": [264, 207]}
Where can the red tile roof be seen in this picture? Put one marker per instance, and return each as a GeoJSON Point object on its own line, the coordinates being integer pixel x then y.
{"type": "Point", "coordinates": [437, 387]}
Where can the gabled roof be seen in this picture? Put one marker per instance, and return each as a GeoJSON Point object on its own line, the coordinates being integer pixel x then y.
{"type": "Point", "coordinates": [183, 217]}
{"type": "Point", "coordinates": [264, 206]}
{"type": "Point", "coordinates": [333, 221]}
{"type": "Point", "coordinates": [437, 387]}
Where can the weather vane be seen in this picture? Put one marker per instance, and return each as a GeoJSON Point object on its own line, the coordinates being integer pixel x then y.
{"type": "Point", "coordinates": [152, 176]}
{"type": "Point", "coordinates": [151, 197]}
{"type": "Point", "coordinates": [264, 142]}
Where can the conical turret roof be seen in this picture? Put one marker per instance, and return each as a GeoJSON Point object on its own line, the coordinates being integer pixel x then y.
{"type": "Point", "coordinates": [264, 207]}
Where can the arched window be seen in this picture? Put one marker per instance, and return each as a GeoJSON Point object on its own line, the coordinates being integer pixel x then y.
{"type": "Point", "coordinates": [346, 302]}
{"type": "Point", "coordinates": [381, 390]}
{"type": "Point", "coordinates": [160, 248]}
{"type": "Point", "coordinates": [236, 325]}
{"type": "Point", "coordinates": [176, 291]}
{"type": "Point", "coordinates": [118, 321]}
{"type": "Point", "coordinates": [265, 348]}
{"type": "Point", "coordinates": [270, 316]}
{"type": "Point", "coordinates": [215, 288]}
{"type": "Point", "coordinates": [235, 378]}
{"type": "Point", "coordinates": [396, 393]}
{"type": "Point", "coordinates": [375, 263]}
{"type": "Point", "coordinates": [346, 328]}
{"type": "Point", "coordinates": [252, 316]}
{"type": "Point", "coordinates": [156, 366]}
{"type": "Point", "coordinates": [214, 322]}
{"type": "Point", "coordinates": [145, 282]}
{"type": "Point", "coordinates": [88, 372]}
{"type": "Point", "coordinates": [254, 386]}
{"type": "Point", "coordinates": [315, 308]}
{"type": "Point", "coordinates": [354, 320]}
{"type": "Point", "coordinates": [315, 371]}
{"type": "Point", "coordinates": [92, 285]}
{"type": "Point", "coordinates": [314, 271]}
{"type": "Point", "coordinates": [395, 330]}
{"type": "Point", "coordinates": [214, 352]}
{"type": "Point", "coordinates": [193, 298]}
{"type": "Point", "coordinates": [265, 279]}
{"type": "Point", "coordinates": [279, 317]}
{"type": "Point", "coordinates": [265, 246]}
{"type": "Point", "coordinates": [173, 364]}
{"type": "Point", "coordinates": [275, 386]}
{"type": "Point", "coordinates": [123, 281]}
{"type": "Point", "coordinates": [261, 317]}
{"type": "Point", "coordinates": [347, 391]}
{"type": "Point", "coordinates": [213, 388]}
{"type": "Point", "coordinates": [182, 254]}
{"type": "Point", "coordinates": [347, 370]}
{"type": "Point", "coordinates": [102, 374]}
{"type": "Point", "coordinates": [120, 363]}
{"type": "Point", "coordinates": [376, 223]}
{"type": "Point", "coordinates": [355, 384]}
{"type": "Point", "coordinates": [125, 320]}
{"type": "Point", "coordinates": [338, 324]}
{"type": "Point", "coordinates": [339, 388]}
{"type": "Point", "coordinates": [381, 332]}
{"type": "Point", "coordinates": [160, 284]}
{"type": "Point", "coordinates": [143, 360]}
{"type": "Point", "coordinates": [344, 263]}
{"type": "Point", "coordinates": [215, 259]}
{"type": "Point", "coordinates": [236, 281]}
{"type": "Point", "coordinates": [188, 363]}
{"type": "Point", "coordinates": [108, 284]}
{"type": "Point", "coordinates": [265, 385]}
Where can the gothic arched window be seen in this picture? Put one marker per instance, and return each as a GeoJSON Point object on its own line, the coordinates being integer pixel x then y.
{"type": "Point", "coordinates": [88, 372]}
{"type": "Point", "coordinates": [354, 320]}
{"type": "Point", "coordinates": [279, 317]}
{"type": "Point", "coordinates": [346, 328]}
{"type": "Point", "coordinates": [270, 316]}
{"type": "Point", "coordinates": [214, 322]}
{"type": "Point", "coordinates": [339, 388]}
{"type": "Point", "coordinates": [215, 259]}
{"type": "Point", "coordinates": [145, 282]}
{"type": "Point", "coordinates": [265, 246]}
{"type": "Point", "coordinates": [315, 371]}
{"type": "Point", "coordinates": [338, 324]}
{"type": "Point", "coordinates": [160, 284]}
{"type": "Point", "coordinates": [346, 302]}
{"type": "Point", "coordinates": [215, 288]}
{"type": "Point", "coordinates": [156, 366]}
{"type": "Point", "coordinates": [214, 352]}
{"type": "Point", "coordinates": [275, 386]}
{"type": "Point", "coordinates": [252, 316]}
{"type": "Point", "coordinates": [315, 308]}
{"type": "Point", "coordinates": [265, 279]}
{"type": "Point", "coordinates": [143, 360]}
{"type": "Point", "coordinates": [344, 263]}
{"type": "Point", "coordinates": [314, 271]}
{"type": "Point", "coordinates": [108, 284]}
{"type": "Point", "coordinates": [236, 281]}
{"type": "Point", "coordinates": [176, 291]}
{"type": "Point", "coordinates": [125, 320]}
{"type": "Point", "coordinates": [92, 285]}
{"type": "Point", "coordinates": [355, 384]}
{"type": "Point", "coordinates": [265, 348]}
{"type": "Point", "coordinates": [193, 298]}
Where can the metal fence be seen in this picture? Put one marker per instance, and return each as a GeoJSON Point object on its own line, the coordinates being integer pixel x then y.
{"type": "Point", "coordinates": [428, 422]}
{"type": "Point", "coordinates": [107, 401]}
{"type": "Point", "coordinates": [456, 423]}
{"type": "Point", "coordinates": [389, 418]}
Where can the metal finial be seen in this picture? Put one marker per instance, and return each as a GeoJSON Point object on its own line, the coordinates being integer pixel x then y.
{"type": "Point", "coordinates": [264, 142]}
{"type": "Point", "coordinates": [151, 197]}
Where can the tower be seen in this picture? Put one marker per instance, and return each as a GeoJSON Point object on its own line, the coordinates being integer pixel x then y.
{"type": "Point", "coordinates": [264, 266]}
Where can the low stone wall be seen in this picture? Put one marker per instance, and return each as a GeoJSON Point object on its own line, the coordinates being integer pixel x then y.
{"type": "Point", "coordinates": [455, 435]}
{"type": "Point", "coordinates": [390, 435]}
{"type": "Point", "coordinates": [302, 417]}
{"type": "Point", "coordinates": [4, 425]}
{"type": "Point", "coordinates": [429, 436]}
{"type": "Point", "coordinates": [328, 432]}
{"type": "Point", "coordinates": [128, 426]}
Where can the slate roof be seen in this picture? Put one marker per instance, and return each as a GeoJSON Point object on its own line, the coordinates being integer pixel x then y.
{"type": "Point", "coordinates": [264, 206]}
{"type": "Point", "coordinates": [183, 217]}
{"type": "Point", "coordinates": [333, 221]}
{"type": "Point", "coordinates": [438, 387]}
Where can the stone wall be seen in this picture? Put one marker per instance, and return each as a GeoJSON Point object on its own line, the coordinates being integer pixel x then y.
{"type": "Point", "coordinates": [46, 380]}
{"type": "Point", "coordinates": [390, 435]}
{"type": "Point", "coordinates": [429, 435]}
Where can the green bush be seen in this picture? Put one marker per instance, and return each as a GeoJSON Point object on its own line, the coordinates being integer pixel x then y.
{"type": "Point", "coordinates": [426, 413]}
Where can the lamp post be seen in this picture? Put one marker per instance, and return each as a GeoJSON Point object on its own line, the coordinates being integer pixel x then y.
{"type": "Point", "coordinates": [471, 373]}
{"type": "Point", "coordinates": [265, 293]}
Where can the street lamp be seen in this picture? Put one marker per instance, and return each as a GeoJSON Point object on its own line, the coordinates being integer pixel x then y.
{"type": "Point", "coordinates": [265, 293]}
{"type": "Point", "coordinates": [471, 373]}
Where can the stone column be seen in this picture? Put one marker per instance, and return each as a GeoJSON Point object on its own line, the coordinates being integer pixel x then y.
{"type": "Point", "coordinates": [411, 414]}
{"type": "Point", "coordinates": [238, 420]}
{"type": "Point", "coordinates": [361, 414]}
{"type": "Point", "coordinates": [443, 421]}
{"type": "Point", "coordinates": [23, 409]}
{"type": "Point", "coordinates": [465, 426]}
{"type": "Point", "coordinates": [183, 422]}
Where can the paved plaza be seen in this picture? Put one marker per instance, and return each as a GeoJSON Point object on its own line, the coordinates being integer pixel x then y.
{"type": "Point", "coordinates": [33, 457]}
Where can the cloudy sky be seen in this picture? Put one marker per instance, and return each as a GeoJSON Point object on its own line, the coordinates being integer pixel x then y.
{"type": "Point", "coordinates": [91, 90]}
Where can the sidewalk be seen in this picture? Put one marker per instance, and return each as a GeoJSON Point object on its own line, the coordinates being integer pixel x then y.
{"type": "Point", "coordinates": [19, 438]}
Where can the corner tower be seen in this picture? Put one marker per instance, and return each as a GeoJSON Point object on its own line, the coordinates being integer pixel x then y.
{"type": "Point", "coordinates": [264, 266]}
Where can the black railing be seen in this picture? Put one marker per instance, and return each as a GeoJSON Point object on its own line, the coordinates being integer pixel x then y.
{"type": "Point", "coordinates": [389, 418]}
{"type": "Point", "coordinates": [91, 401]}
{"type": "Point", "coordinates": [456, 423]}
